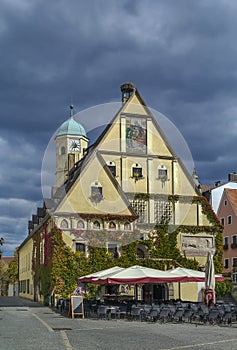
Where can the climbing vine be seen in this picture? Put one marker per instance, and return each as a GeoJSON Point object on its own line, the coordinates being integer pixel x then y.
{"type": "Point", "coordinates": [56, 268]}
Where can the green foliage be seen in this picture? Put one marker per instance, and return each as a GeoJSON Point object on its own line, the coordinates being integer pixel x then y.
{"type": "Point", "coordinates": [57, 270]}
{"type": "Point", "coordinates": [218, 253]}
{"type": "Point", "coordinates": [61, 267]}
{"type": "Point", "coordinates": [223, 288]}
{"type": "Point", "coordinates": [13, 269]}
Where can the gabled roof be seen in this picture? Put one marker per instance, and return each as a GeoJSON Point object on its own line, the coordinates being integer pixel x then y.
{"type": "Point", "coordinates": [78, 169]}
{"type": "Point", "coordinates": [75, 172]}
{"type": "Point", "coordinates": [216, 194]}
{"type": "Point", "coordinates": [232, 196]}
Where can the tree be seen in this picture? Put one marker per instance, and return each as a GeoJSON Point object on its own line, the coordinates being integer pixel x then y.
{"type": "Point", "coordinates": [13, 269]}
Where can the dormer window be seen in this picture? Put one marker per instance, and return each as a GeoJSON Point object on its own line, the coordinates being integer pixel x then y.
{"type": "Point", "coordinates": [112, 167]}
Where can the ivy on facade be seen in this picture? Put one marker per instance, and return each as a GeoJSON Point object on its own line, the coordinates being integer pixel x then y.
{"type": "Point", "coordinates": [59, 268]}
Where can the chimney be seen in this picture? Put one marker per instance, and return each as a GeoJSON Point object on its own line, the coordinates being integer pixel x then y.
{"type": "Point", "coordinates": [232, 177]}
{"type": "Point", "coordinates": [127, 89]}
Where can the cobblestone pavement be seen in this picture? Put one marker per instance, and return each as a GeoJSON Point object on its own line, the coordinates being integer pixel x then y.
{"type": "Point", "coordinates": [27, 325]}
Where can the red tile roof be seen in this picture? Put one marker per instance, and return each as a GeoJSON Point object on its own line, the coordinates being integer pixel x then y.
{"type": "Point", "coordinates": [232, 195]}
{"type": "Point", "coordinates": [7, 259]}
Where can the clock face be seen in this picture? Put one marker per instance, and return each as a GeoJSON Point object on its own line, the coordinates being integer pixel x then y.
{"type": "Point", "coordinates": [74, 145]}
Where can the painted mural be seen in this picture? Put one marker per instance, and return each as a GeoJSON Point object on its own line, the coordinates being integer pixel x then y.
{"type": "Point", "coordinates": [136, 135]}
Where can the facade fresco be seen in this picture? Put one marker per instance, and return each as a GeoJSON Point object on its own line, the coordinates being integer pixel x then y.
{"type": "Point", "coordinates": [136, 135]}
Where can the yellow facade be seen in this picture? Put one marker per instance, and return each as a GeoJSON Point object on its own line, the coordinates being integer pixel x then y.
{"type": "Point", "coordinates": [131, 158]}
{"type": "Point", "coordinates": [25, 271]}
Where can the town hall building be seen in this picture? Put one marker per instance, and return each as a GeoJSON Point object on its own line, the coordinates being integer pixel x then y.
{"type": "Point", "coordinates": [116, 191]}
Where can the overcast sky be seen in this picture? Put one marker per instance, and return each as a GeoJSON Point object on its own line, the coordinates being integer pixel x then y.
{"type": "Point", "coordinates": [180, 54]}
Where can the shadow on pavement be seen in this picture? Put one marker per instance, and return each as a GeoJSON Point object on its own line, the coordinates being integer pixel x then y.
{"type": "Point", "coordinates": [17, 301]}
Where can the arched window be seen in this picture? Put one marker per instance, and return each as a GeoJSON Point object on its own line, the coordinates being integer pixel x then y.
{"type": "Point", "coordinates": [80, 224]}
{"type": "Point", "coordinates": [141, 252]}
{"type": "Point", "coordinates": [112, 225]}
{"type": "Point", "coordinates": [64, 224]}
{"type": "Point", "coordinates": [127, 226]}
{"type": "Point", "coordinates": [96, 225]}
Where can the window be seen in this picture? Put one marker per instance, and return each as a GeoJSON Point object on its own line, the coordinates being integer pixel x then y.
{"type": "Point", "coordinates": [62, 150]}
{"type": "Point", "coordinates": [226, 240]}
{"type": "Point", "coordinates": [112, 248]}
{"type": "Point", "coordinates": [163, 212]}
{"type": "Point", "coordinates": [225, 202]}
{"type": "Point", "coordinates": [229, 219]}
{"type": "Point", "coordinates": [96, 225]}
{"type": "Point", "coordinates": [222, 221]}
{"type": "Point", "coordinates": [140, 208]}
{"type": "Point", "coordinates": [80, 247]}
{"type": "Point", "coordinates": [162, 174]}
{"type": "Point", "coordinates": [112, 225]}
{"type": "Point", "coordinates": [225, 243]}
{"type": "Point", "coordinates": [96, 193]}
{"type": "Point", "coordinates": [80, 224]}
{"type": "Point", "coordinates": [226, 263]}
{"type": "Point", "coordinates": [234, 242]}
{"type": "Point", "coordinates": [127, 226]}
{"type": "Point", "coordinates": [234, 262]}
{"type": "Point", "coordinates": [112, 167]}
{"type": "Point", "coordinates": [140, 253]}
{"type": "Point", "coordinates": [234, 277]}
{"type": "Point", "coordinates": [64, 224]}
{"type": "Point", "coordinates": [137, 172]}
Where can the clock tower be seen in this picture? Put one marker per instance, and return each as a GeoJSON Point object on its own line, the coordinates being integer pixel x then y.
{"type": "Point", "coordinates": [71, 140]}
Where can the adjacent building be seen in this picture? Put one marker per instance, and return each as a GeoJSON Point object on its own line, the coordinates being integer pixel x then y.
{"type": "Point", "coordinates": [227, 212]}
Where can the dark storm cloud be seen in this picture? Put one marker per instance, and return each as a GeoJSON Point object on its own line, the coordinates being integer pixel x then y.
{"type": "Point", "coordinates": [180, 54]}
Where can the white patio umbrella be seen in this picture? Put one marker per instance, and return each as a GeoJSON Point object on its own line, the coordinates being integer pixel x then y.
{"type": "Point", "coordinates": [210, 280]}
{"type": "Point", "coordinates": [191, 275]}
{"type": "Point", "coordinates": [210, 272]}
{"type": "Point", "coordinates": [99, 274]}
{"type": "Point", "coordinates": [138, 274]}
